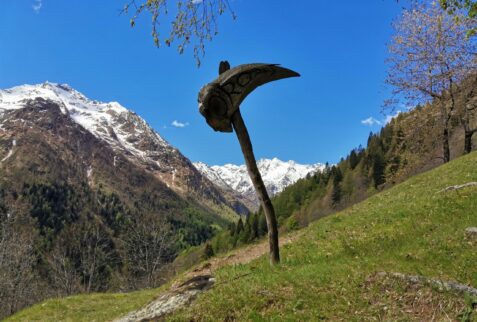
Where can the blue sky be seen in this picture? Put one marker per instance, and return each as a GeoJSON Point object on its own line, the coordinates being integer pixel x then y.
{"type": "Point", "coordinates": [339, 48]}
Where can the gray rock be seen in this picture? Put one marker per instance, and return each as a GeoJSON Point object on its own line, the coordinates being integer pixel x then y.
{"type": "Point", "coordinates": [471, 232]}
{"type": "Point", "coordinates": [439, 284]}
{"type": "Point", "coordinates": [171, 300]}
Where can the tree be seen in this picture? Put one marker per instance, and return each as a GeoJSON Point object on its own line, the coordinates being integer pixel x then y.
{"type": "Point", "coordinates": [88, 243]}
{"type": "Point", "coordinates": [379, 165]}
{"type": "Point", "coordinates": [468, 111]}
{"type": "Point", "coordinates": [336, 192]}
{"type": "Point", "coordinates": [239, 228]}
{"type": "Point", "coordinates": [453, 6]}
{"type": "Point", "coordinates": [64, 275]}
{"type": "Point", "coordinates": [246, 233]}
{"type": "Point", "coordinates": [262, 224]}
{"type": "Point", "coordinates": [17, 259]}
{"type": "Point", "coordinates": [232, 229]}
{"type": "Point", "coordinates": [353, 159]}
{"type": "Point", "coordinates": [254, 227]}
{"type": "Point", "coordinates": [195, 21]}
{"type": "Point", "coordinates": [430, 55]}
{"type": "Point", "coordinates": [375, 159]}
{"type": "Point", "coordinates": [208, 251]}
{"type": "Point", "coordinates": [149, 245]}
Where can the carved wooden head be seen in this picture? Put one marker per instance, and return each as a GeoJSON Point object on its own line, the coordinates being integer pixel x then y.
{"type": "Point", "coordinates": [219, 99]}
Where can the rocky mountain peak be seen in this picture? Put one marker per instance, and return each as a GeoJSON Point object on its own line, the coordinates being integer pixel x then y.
{"type": "Point", "coordinates": [110, 121]}
{"type": "Point", "coordinates": [276, 174]}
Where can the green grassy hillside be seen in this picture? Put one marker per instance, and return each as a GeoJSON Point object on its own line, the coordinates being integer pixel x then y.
{"type": "Point", "coordinates": [329, 273]}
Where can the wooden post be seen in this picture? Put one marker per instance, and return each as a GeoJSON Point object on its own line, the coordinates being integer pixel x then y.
{"type": "Point", "coordinates": [247, 150]}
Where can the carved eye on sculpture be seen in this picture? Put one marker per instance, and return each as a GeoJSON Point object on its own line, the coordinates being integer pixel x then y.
{"type": "Point", "coordinates": [244, 79]}
{"type": "Point", "coordinates": [217, 106]}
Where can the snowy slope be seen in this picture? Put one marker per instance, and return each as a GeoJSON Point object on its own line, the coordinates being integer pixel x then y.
{"type": "Point", "coordinates": [108, 121]}
{"type": "Point", "coordinates": [212, 175]}
{"type": "Point", "coordinates": [276, 175]}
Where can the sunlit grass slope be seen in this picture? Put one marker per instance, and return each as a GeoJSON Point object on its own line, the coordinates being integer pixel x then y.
{"type": "Point", "coordinates": [87, 307]}
{"type": "Point", "coordinates": [329, 273]}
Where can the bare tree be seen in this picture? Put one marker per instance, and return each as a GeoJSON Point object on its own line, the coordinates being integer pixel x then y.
{"type": "Point", "coordinates": [83, 257]}
{"type": "Point", "coordinates": [430, 56]}
{"type": "Point", "coordinates": [63, 272]}
{"type": "Point", "coordinates": [149, 245]}
{"type": "Point", "coordinates": [195, 21]}
{"type": "Point", "coordinates": [17, 258]}
{"type": "Point", "coordinates": [96, 253]}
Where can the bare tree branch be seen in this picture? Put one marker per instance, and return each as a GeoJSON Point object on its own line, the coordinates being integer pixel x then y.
{"type": "Point", "coordinates": [195, 21]}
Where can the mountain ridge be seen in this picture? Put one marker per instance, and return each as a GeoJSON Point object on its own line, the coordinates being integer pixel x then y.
{"type": "Point", "coordinates": [276, 174]}
{"type": "Point", "coordinates": [128, 134]}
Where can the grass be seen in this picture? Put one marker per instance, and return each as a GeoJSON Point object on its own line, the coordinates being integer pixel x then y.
{"type": "Point", "coordinates": [87, 307]}
{"type": "Point", "coordinates": [329, 273]}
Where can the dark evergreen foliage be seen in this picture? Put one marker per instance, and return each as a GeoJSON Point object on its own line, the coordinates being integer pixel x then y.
{"type": "Point", "coordinates": [336, 193]}
{"type": "Point", "coordinates": [208, 251]}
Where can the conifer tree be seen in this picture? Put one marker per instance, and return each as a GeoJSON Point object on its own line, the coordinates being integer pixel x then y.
{"type": "Point", "coordinates": [353, 159]}
{"type": "Point", "coordinates": [246, 233]}
{"type": "Point", "coordinates": [379, 165]}
{"type": "Point", "coordinates": [254, 227]}
{"type": "Point", "coordinates": [208, 251]}
{"type": "Point", "coordinates": [232, 229]}
{"type": "Point", "coordinates": [336, 193]}
{"type": "Point", "coordinates": [239, 228]}
{"type": "Point", "coordinates": [262, 225]}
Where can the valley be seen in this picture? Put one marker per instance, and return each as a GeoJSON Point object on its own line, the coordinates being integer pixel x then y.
{"type": "Point", "coordinates": [220, 160]}
{"type": "Point", "coordinates": [337, 267]}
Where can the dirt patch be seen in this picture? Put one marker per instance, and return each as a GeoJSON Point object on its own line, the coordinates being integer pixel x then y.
{"type": "Point", "coordinates": [242, 255]}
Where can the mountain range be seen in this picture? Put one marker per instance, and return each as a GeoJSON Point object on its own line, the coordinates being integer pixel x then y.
{"type": "Point", "coordinates": [276, 175]}
{"type": "Point", "coordinates": [126, 136]}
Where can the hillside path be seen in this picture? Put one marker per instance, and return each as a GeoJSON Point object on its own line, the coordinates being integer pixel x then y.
{"type": "Point", "coordinates": [199, 280]}
{"type": "Point", "coordinates": [242, 255]}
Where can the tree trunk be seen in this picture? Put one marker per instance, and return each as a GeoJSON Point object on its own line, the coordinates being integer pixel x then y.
{"type": "Point", "coordinates": [445, 145]}
{"type": "Point", "coordinates": [247, 150]}
{"type": "Point", "coordinates": [468, 141]}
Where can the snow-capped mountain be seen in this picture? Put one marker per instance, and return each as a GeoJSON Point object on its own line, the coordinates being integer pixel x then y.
{"type": "Point", "coordinates": [131, 139]}
{"type": "Point", "coordinates": [109, 122]}
{"type": "Point", "coordinates": [276, 175]}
